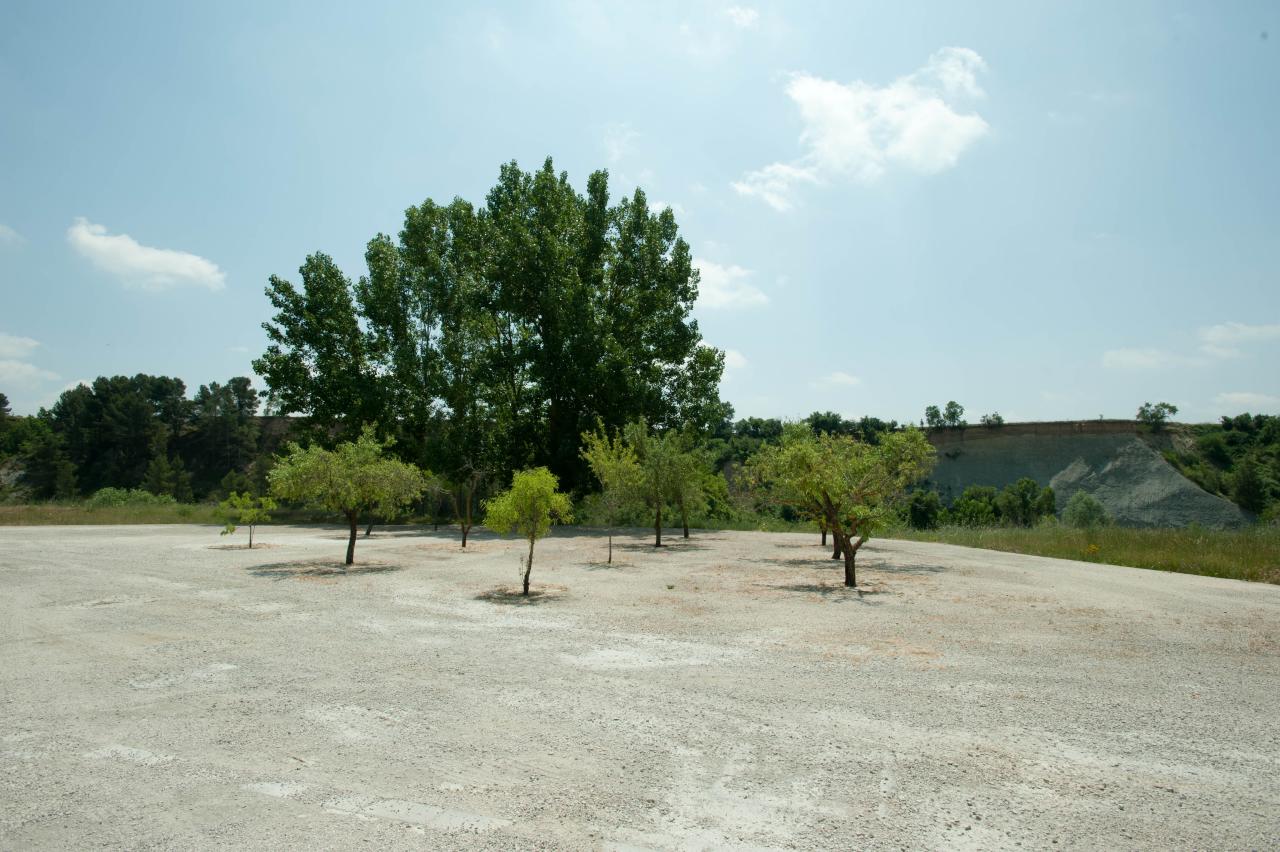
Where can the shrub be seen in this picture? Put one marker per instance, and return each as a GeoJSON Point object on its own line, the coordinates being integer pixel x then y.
{"type": "Point", "coordinates": [923, 510]}
{"type": "Point", "coordinates": [108, 498]}
{"type": "Point", "coordinates": [1084, 511]}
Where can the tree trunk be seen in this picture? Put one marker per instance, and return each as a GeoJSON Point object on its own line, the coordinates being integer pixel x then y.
{"type": "Point", "coordinates": [850, 555]}
{"type": "Point", "coordinates": [684, 518]}
{"type": "Point", "coordinates": [657, 528]}
{"type": "Point", "coordinates": [824, 537]}
{"type": "Point", "coordinates": [465, 520]}
{"type": "Point", "coordinates": [351, 542]}
{"type": "Point", "coordinates": [251, 536]}
{"type": "Point", "coordinates": [369, 529]}
{"type": "Point", "coordinates": [528, 567]}
{"type": "Point", "coordinates": [610, 546]}
{"type": "Point", "coordinates": [835, 537]}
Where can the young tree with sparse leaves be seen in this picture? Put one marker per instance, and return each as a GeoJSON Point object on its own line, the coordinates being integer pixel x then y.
{"type": "Point", "coordinates": [659, 458]}
{"type": "Point", "coordinates": [615, 466]}
{"type": "Point", "coordinates": [528, 508]}
{"type": "Point", "coordinates": [351, 479]}
{"type": "Point", "coordinates": [245, 510]}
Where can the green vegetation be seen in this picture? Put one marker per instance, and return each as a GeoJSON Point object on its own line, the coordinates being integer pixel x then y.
{"type": "Point", "coordinates": [1084, 512]}
{"type": "Point", "coordinates": [1156, 415]}
{"type": "Point", "coordinates": [245, 510]}
{"type": "Point", "coordinates": [352, 479]}
{"type": "Point", "coordinates": [1249, 554]}
{"type": "Point", "coordinates": [528, 508]}
{"type": "Point", "coordinates": [855, 487]}
{"type": "Point", "coordinates": [1237, 458]}
{"type": "Point", "coordinates": [616, 468]}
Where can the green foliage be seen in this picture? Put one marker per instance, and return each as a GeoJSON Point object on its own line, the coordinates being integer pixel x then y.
{"type": "Point", "coordinates": [489, 338]}
{"type": "Point", "coordinates": [168, 477]}
{"type": "Point", "coordinates": [856, 487]}
{"type": "Point", "coordinates": [528, 508]}
{"type": "Point", "coordinates": [976, 507]}
{"type": "Point", "coordinates": [1156, 415]}
{"type": "Point", "coordinates": [992, 420]}
{"type": "Point", "coordinates": [616, 468]}
{"type": "Point", "coordinates": [933, 417]}
{"type": "Point", "coordinates": [1247, 487]}
{"type": "Point", "coordinates": [245, 510]}
{"type": "Point", "coordinates": [923, 510]}
{"type": "Point", "coordinates": [1084, 511]}
{"type": "Point", "coordinates": [352, 479]}
{"type": "Point", "coordinates": [112, 498]}
{"type": "Point", "coordinates": [953, 415]}
{"type": "Point", "coordinates": [658, 457]}
{"type": "Point", "coordinates": [1024, 502]}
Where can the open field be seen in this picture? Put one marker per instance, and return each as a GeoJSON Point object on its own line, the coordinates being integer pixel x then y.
{"type": "Point", "coordinates": [166, 688]}
{"type": "Point", "coordinates": [1252, 553]}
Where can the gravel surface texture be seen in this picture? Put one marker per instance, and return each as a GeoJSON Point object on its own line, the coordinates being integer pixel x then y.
{"type": "Point", "coordinates": [162, 687]}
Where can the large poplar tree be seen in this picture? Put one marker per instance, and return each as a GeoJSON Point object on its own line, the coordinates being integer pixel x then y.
{"type": "Point", "coordinates": [489, 338]}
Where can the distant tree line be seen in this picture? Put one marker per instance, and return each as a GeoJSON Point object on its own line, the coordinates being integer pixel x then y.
{"type": "Point", "coordinates": [141, 432]}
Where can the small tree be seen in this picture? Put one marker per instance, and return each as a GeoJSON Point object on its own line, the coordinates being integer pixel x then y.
{"type": "Point", "coordinates": [1084, 512]}
{"type": "Point", "coordinates": [933, 417]}
{"type": "Point", "coordinates": [243, 509]}
{"type": "Point", "coordinates": [1157, 415]}
{"type": "Point", "coordinates": [528, 508]}
{"type": "Point", "coordinates": [857, 486]}
{"type": "Point", "coordinates": [351, 479]}
{"type": "Point", "coordinates": [614, 465]}
{"type": "Point", "coordinates": [953, 415]}
{"type": "Point", "coordinates": [992, 420]}
{"type": "Point", "coordinates": [659, 459]}
{"type": "Point", "coordinates": [688, 485]}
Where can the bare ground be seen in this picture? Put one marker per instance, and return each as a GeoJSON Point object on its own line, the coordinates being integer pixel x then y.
{"type": "Point", "coordinates": [160, 690]}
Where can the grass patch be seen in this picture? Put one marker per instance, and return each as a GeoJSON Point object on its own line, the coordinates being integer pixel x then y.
{"type": "Point", "coordinates": [1246, 554]}
{"type": "Point", "coordinates": [46, 514]}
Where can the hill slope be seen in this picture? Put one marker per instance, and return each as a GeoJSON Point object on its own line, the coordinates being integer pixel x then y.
{"type": "Point", "coordinates": [1110, 459]}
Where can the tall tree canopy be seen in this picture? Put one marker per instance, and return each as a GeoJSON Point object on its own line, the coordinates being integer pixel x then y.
{"type": "Point", "coordinates": [491, 337]}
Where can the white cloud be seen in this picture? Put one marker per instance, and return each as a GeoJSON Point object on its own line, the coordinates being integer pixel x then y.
{"type": "Point", "coordinates": [12, 346]}
{"type": "Point", "coordinates": [10, 237]}
{"type": "Point", "coordinates": [726, 286]}
{"type": "Point", "coordinates": [742, 16]}
{"type": "Point", "coordinates": [1221, 341]}
{"type": "Point", "coordinates": [859, 131]}
{"type": "Point", "coordinates": [20, 373]}
{"type": "Point", "coordinates": [1238, 401]}
{"type": "Point", "coordinates": [656, 207]}
{"type": "Point", "coordinates": [618, 139]}
{"type": "Point", "coordinates": [1145, 359]}
{"type": "Point", "coordinates": [837, 379]}
{"type": "Point", "coordinates": [734, 360]}
{"type": "Point", "coordinates": [142, 266]}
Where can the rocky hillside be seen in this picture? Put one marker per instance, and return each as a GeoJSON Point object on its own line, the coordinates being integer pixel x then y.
{"type": "Point", "coordinates": [1113, 460]}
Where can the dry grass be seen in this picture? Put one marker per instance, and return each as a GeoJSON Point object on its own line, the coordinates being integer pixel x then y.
{"type": "Point", "coordinates": [46, 514]}
{"type": "Point", "coordinates": [1248, 554]}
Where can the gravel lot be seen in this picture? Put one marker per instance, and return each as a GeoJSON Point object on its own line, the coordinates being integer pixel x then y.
{"type": "Point", "coordinates": [162, 687]}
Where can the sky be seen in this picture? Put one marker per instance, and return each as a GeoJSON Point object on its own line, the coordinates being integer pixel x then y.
{"type": "Point", "coordinates": [1053, 211]}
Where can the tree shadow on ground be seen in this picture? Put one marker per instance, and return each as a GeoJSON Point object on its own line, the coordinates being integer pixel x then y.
{"type": "Point", "coordinates": [316, 569]}
{"type": "Point", "coordinates": [836, 593]}
{"type": "Point", "coordinates": [600, 565]}
{"type": "Point", "coordinates": [257, 546]}
{"type": "Point", "coordinates": [508, 596]}
{"type": "Point", "coordinates": [668, 546]}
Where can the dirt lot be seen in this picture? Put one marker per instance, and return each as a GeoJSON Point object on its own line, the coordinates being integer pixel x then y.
{"type": "Point", "coordinates": [162, 689]}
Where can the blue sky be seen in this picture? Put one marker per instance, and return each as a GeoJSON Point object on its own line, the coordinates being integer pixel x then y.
{"type": "Point", "coordinates": [1054, 211]}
